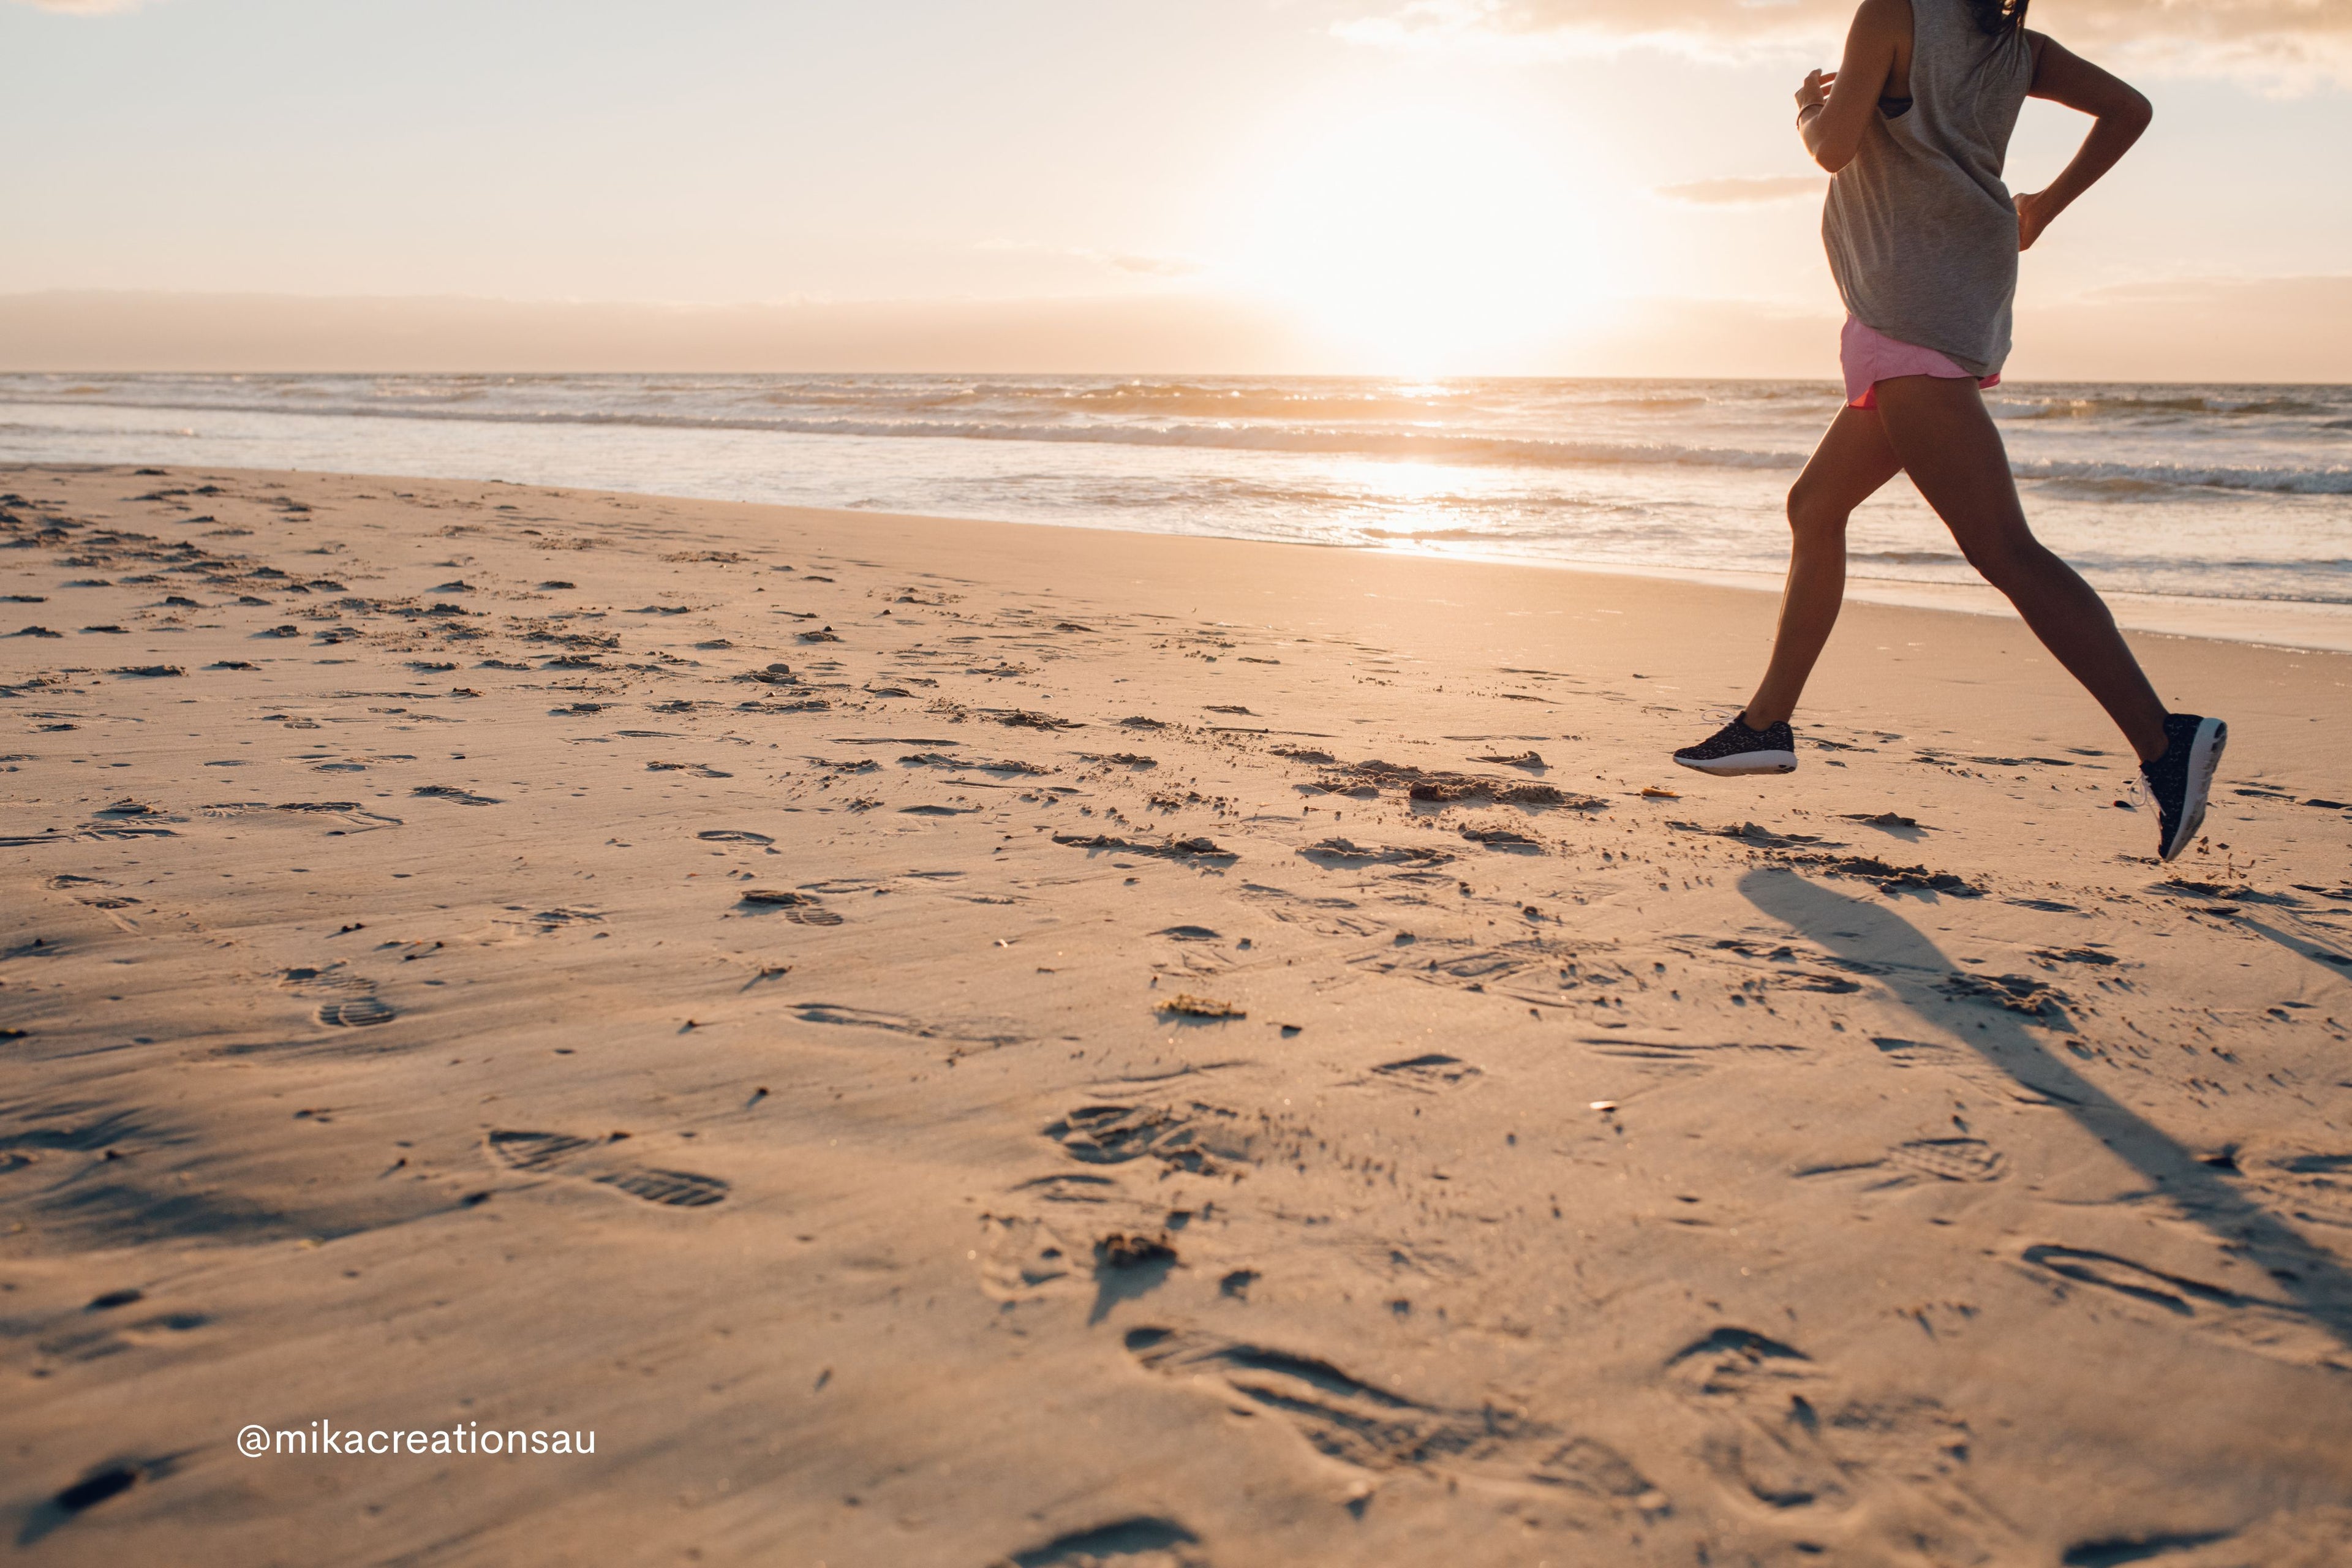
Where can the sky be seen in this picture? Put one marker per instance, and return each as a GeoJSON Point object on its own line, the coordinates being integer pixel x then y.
{"type": "Point", "coordinates": [1416, 187]}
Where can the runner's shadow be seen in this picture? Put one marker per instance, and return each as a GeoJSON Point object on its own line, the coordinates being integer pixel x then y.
{"type": "Point", "coordinates": [2320, 953]}
{"type": "Point", "coordinates": [1915, 968]}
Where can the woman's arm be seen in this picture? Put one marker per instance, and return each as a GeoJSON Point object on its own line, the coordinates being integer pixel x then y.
{"type": "Point", "coordinates": [1835, 108]}
{"type": "Point", "coordinates": [2119, 115]}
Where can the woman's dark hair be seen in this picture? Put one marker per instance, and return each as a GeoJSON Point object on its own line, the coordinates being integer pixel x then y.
{"type": "Point", "coordinates": [1998, 17]}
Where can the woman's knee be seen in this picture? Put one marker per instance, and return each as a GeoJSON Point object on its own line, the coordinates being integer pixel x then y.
{"type": "Point", "coordinates": [1811, 517]}
{"type": "Point", "coordinates": [2007, 564]}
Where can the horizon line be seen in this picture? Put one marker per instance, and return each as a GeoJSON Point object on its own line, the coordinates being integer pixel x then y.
{"type": "Point", "coordinates": [1169, 375]}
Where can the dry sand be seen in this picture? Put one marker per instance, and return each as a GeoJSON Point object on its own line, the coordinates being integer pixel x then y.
{"type": "Point", "coordinates": [1109, 1058]}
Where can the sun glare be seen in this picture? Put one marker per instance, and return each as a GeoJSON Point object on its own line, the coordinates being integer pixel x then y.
{"type": "Point", "coordinates": [1426, 240]}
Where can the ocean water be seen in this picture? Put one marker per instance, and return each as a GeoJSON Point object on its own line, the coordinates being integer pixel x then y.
{"type": "Point", "coordinates": [2178, 496]}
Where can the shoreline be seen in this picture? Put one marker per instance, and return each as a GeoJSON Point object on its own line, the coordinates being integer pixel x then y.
{"type": "Point", "coordinates": [2290, 624]}
{"type": "Point", "coordinates": [943, 1042]}
{"type": "Point", "coordinates": [2295, 625]}
{"type": "Point", "coordinates": [2326, 628]}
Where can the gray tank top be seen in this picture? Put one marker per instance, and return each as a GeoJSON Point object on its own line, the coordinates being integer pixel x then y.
{"type": "Point", "coordinates": [1921, 232]}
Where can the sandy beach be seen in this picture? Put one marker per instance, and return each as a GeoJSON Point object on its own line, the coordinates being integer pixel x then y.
{"type": "Point", "coordinates": [959, 1043]}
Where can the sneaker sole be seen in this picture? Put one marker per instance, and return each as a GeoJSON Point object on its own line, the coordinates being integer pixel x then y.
{"type": "Point", "coordinates": [2204, 760]}
{"type": "Point", "coordinates": [1745, 762]}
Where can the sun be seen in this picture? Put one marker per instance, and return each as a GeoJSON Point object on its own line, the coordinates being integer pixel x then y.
{"type": "Point", "coordinates": [1422, 239]}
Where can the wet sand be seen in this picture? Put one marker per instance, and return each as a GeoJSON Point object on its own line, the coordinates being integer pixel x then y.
{"type": "Point", "coordinates": [958, 1043]}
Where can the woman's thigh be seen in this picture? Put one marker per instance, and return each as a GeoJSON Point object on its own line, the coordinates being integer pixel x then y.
{"type": "Point", "coordinates": [1940, 430]}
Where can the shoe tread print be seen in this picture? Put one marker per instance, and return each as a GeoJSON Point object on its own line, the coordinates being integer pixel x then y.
{"type": "Point", "coordinates": [1790, 1442]}
{"type": "Point", "coordinates": [590, 1160]}
{"type": "Point", "coordinates": [1368, 1427]}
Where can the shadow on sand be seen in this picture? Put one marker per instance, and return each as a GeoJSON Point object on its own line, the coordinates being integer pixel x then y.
{"type": "Point", "coordinates": [1916, 970]}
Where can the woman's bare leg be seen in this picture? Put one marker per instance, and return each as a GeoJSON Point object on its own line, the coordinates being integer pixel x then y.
{"type": "Point", "coordinates": [1846, 469]}
{"type": "Point", "coordinates": [1947, 441]}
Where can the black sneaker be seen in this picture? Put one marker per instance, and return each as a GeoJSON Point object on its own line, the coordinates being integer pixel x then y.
{"type": "Point", "coordinates": [1736, 749]}
{"type": "Point", "coordinates": [2179, 780]}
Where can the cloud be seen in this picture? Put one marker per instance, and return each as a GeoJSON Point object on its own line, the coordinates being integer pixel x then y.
{"type": "Point", "coordinates": [2295, 43]}
{"type": "Point", "coordinates": [1155, 266]}
{"type": "Point", "coordinates": [1744, 190]}
{"type": "Point", "coordinates": [1116, 260]}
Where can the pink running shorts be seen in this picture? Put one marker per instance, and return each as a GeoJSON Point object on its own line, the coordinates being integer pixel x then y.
{"type": "Point", "coordinates": [1870, 356]}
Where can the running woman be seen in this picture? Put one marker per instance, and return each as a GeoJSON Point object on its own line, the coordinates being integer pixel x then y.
{"type": "Point", "coordinates": [1923, 239]}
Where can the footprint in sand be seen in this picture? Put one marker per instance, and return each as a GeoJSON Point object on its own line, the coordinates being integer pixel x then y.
{"type": "Point", "coordinates": [1024, 1260]}
{"type": "Point", "coordinates": [2282, 1329]}
{"type": "Point", "coordinates": [350, 1003]}
{"type": "Point", "coordinates": [544, 923]}
{"type": "Point", "coordinates": [1194, 1137]}
{"type": "Point", "coordinates": [801, 908]}
{"type": "Point", "coordinates": [1144, 1541]}
{"type": "Point", "coordinates": [1789, 1444]}
{"type": "Point", "coordinates": [971, 1030]}
{"type": "Point", "coordinates": [2313, 1537]}
{"type": "Point", "coordinates": [96, 1485]}
{"type": "Point", "coordinates": [1429, 1074]}
{"type": "Point", "coordinates": [1903, 1053]}
{"type": "Point", "coordinates": [592, 1160]}
{"type": "Point", "coordinates": [452, 794]}
{"type": "Point", "coordinates": [1950, 1159]}
{"type": "Point", "coordinates": [2314, 1186]}
{"type": "Point", "coordinates": [1345, 852]}
{"type": "Point", "coordinates": [105, 1338]}
{"type": "Point", "coordinates": [68, 882]}
{"type": "Point", "coordinates": [1936, 1159]}
{"type": "Point", "coordinates": [1362, 1424]}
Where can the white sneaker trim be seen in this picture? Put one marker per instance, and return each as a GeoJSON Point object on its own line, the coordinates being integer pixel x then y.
{"type": "Point", "coordinates": [1743, 762]}
{"type": "Point", "coordinates": [2204, 761]}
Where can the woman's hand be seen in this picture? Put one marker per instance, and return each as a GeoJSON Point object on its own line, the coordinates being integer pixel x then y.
{"type": "Point", "coordinates": [2034, 211]}
{"type": "Point", "coordinates": [1836, 106]}
{"type": "Point", "coordinates": [2119, 116]}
